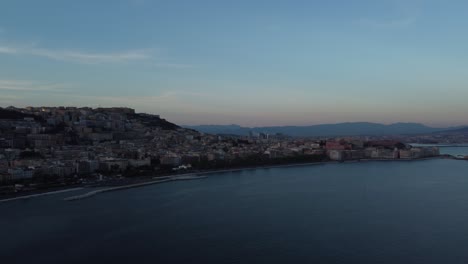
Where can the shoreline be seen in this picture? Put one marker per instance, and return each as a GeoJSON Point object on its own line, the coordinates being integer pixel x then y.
{"type": "Point", "coordinates": [265, 167]}
{"type": "Point", "coordinates": [24, 197]}
{"type": "Point", "coordinates": [130, 186]}
{"type": "Point", "coordinates": [316, 163]}
{"type": "Point", "coordinates": [203, 174]}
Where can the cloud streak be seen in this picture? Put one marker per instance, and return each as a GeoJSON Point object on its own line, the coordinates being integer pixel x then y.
{"type": "Point", "coordinates": [166, 98]}
{"type": "Point", "coordinates": [403, 14]}
{"type": "Point", "coordinates": [7, 50]}
{"type": "Point", "coordinates": [30, 86]}
{"type": "Point", "coordinates": [78, 56]}
{"type": "Point", "coordinates": [387, 24]}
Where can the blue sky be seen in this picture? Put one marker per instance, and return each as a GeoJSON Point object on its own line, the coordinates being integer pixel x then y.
{"type": "Point", "coordinates": [251, 63]}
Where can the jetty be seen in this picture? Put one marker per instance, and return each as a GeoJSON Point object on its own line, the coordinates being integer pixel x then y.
{"type": "Point", "coordinates": [134, 185]}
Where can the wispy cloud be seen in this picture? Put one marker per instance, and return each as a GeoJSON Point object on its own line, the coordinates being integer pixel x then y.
{"type": "Point", "coordinates": [84, 57]}
{"type": "Point", "coordinates": [93, 58]}
{"type": "Point", "coordinates": [400, 14]}
{"type": "Point", "coordinates": [387, 24]}
{"type": "Point", "coordinates": [166, 97]}
{"type": "Point", "coordinates": [173, 65]}
{"type": "Point", "coordinates": [138, 2]}
{"type": "Point", "coordinates": [8, 97]}
{"type": "Point", "coordinates": [31, 86]}
{"type": "Point", "coordinates": [7, 50]}
{"type": "Point", "coordinates": [78, 56]}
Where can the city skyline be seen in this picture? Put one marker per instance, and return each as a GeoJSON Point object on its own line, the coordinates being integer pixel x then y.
{"type": "Point", "coordinates": [246, 63]}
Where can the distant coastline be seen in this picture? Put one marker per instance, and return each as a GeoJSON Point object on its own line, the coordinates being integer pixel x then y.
{"type": "Point", "coordinates": [44, 149]}
{"type": "Point", "coordinates": [200, 175]}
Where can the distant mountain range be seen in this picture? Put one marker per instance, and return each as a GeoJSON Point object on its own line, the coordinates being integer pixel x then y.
{"type": "Point", "coordinates": [458, 130]}
{"type": "Point", "coordinates": [340, 129]}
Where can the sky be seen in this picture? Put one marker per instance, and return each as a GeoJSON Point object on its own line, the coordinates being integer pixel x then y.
{"type": "Point", "coordinates": [252, 63]}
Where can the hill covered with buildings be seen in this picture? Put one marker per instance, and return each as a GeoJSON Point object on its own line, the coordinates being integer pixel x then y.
{"type": "Point", "coordinates": [44, 147]}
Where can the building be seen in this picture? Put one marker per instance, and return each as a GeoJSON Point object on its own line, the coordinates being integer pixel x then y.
{"type": "Point", "coordinates": [85, 167]}
{"type": "Point", "coordinates": [139, 162]}
{"type": "Point", "coordinates": [336, 155]}
{"type": "Point", "coordinates": [113, 164]}
{"type": "Point", "coordinates": [21, 173]}
{"type": "Point", "coordinates": [170, 160]}
{"type": "Point", "coordinates": [383, 153]}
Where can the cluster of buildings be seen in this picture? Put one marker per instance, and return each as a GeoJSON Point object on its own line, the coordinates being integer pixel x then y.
{"type": "Point", "coordinates": [378, 149]}
{"type": "Point", "coordinates": [76, 143]}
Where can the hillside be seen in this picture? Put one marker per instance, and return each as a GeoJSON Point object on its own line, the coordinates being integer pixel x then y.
{"type": "Point", "coordinates": [462, 130]}
{"type": "Point", "coordinates": [12, 114]}
{"type": "Point", "coordinates": [154, 121]}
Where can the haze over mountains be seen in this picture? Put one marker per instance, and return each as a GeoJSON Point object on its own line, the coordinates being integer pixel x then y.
{"type": "Point", "coordinates": [340, 129]}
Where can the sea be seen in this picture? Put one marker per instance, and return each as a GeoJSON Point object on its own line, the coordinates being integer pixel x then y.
{"type": "Point", "coordinates": [357, 212]}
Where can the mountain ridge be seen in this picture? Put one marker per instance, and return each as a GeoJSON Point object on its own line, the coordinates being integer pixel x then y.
{"type": "Point", "coordinates": [337, 129]}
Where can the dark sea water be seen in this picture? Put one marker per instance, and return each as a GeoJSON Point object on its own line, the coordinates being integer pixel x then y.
{"type": "Point", "coordinates": [454, 151]}
{"type": "Point", "coordinates": [373, 212]}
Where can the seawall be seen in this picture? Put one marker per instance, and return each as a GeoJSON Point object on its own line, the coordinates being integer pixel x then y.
{"type": "Point", "coordinates": [135, 185]}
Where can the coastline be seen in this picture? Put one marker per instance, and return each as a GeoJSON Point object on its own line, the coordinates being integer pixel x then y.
{"type": "Point", "coordinates": [201, 175]}
{"type": "Point", "coordinates": [186, 176]}
{"type": "Point", "coordinates": [265, 167]}
{"type": "Point", "coordinates": [204, 174]}
{"type": "Point", "coordinates": [135, 185]}
{"type": "Point", "coordinates": [317, 163]}
{"type": "Point", "coordinates": [24, 197]}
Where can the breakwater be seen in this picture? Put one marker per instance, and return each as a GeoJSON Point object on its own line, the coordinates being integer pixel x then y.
{"type": "Point", "coordinates": [118, 188]}
{"type": "Point", "coordinates": [40, 194]}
